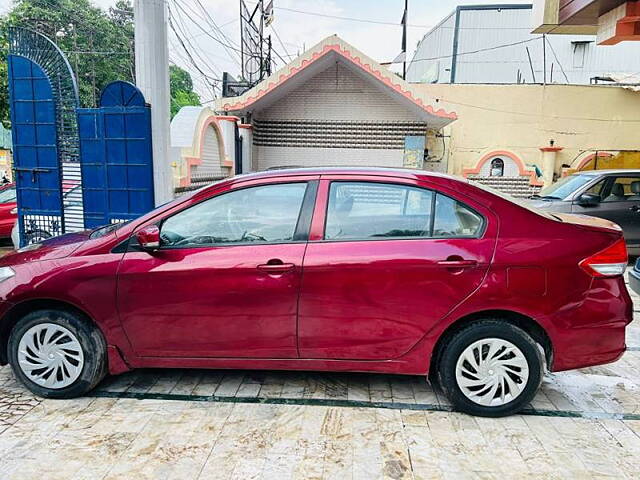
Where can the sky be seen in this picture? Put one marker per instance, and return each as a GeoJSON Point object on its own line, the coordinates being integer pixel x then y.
{"type": "Point", "coordinates": [296, 30]}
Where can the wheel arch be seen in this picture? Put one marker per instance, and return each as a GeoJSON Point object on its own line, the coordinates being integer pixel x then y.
{"type": "Point", "coordinates": [18, 311]}
{"type": "Point", "coordinates": [526, 323]}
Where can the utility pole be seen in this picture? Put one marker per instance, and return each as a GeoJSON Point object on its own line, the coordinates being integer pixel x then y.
{"type": "Point", "coordinates": [404, 38]}
{"type": "Point", "coordinates": [152, 78]}
{"type": "Point", "coordinates": [544, 59]}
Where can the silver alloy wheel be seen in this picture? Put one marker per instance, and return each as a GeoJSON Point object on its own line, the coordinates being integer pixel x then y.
{"type": "Point", "coordinates": [50, 356]}
{"type": "Point", "coordinates": [492, 372]}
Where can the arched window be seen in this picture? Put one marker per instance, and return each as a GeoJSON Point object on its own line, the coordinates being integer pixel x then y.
{"type": "Point", "coordinates": [497, 167]}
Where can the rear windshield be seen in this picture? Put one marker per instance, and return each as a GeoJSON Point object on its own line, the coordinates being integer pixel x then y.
{"type": "Point", "coordinates": [521, 202]}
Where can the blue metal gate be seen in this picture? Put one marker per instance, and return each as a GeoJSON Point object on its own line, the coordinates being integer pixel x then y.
{"type": "Point", "coordinates": [37, 168]}
{"type": "Point", "coordinates": [116, 156]}
{"type": "Point", "coordinates": [43, 98]}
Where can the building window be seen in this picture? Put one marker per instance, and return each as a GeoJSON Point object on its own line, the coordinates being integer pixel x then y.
{"type": "Point", "coordinates": [497, 168]}
{"type": "Point", "coordinates": [579, 53]}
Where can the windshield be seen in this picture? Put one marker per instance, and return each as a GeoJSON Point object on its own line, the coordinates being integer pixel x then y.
{"type": "Point", "coordinates": [8, 195]}
{"type": "Point", "coordinates": [564, 187]}
{"type": "Point", "coordinates": [107, 229]}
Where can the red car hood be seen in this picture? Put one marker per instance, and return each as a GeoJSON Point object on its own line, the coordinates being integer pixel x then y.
{"type": "Point", "coordinates": [57, 247]}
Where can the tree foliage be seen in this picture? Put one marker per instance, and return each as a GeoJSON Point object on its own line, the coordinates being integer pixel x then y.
{"type": "Point", "coordinates": [181, 87]}
{"type": "Point", "coordinates": [98, 44]}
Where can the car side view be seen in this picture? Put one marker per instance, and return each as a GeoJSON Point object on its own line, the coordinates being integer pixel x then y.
{"type": "Point", "coordinates": [367, 270]}
{"type": "Point", "coordinates": [610, 194]}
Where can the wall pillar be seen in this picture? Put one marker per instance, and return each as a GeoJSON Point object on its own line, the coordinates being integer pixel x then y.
{"type": "Point", "coordinates": [152, 78]}
{"type": "Point", "coordinates": [549, 155]}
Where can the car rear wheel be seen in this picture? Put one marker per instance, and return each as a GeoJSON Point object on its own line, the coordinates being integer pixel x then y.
{"type": "Point", "coordinates": [57, 354]}
{"type": "Point", "coordinates": [491, 369]}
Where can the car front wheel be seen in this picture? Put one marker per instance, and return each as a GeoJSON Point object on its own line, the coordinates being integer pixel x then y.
{"type": "Point", "coordinates": [57, 354]}
{"type": "Point", "coordinates": [491, 369]}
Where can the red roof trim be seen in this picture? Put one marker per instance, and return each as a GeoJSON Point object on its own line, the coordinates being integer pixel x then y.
{"type": "Point", "coordinates": [357, 61]}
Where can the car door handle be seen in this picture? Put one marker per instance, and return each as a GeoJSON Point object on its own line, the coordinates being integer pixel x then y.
{"type": "Point", "coordinates": [635, 208]}
{"type": "Point", "coordinates": [276, 267]}
{"type": "Point", "coordinates": [458, 263]}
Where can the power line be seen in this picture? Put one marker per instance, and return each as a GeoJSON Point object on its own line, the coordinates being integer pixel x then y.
{"type": "Point", "coordinates": [227, 46]}
{"type": "Point", "coordinates": [351, 19]}
{"type": "Point", "coordinates": [557, 59]}
{"type": "Point", "coordinates": [205, 59]}
{"type": "Point", "coordinates": [496, 47]}
{"type": "Point", "coordinates": [555, 117]}
{"type": "Point", "coordinates": [186, 50]}
{"type": "Point", "coordinates": [281, 43]}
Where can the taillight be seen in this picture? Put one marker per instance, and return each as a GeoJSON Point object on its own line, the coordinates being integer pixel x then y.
{"type": "Point", "coordinates": [609, 262]}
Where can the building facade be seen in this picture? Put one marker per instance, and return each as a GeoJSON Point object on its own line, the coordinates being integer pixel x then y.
{"type": "Point", "coordinates": [494, 44]}
{"type": "Point", "coordinates": [333, 105]}
{"type": "Point", "coordinates": [520, 137]}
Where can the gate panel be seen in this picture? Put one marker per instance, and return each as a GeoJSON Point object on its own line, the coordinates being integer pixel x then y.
{"type": "Point", "coordinates": [35, 147]}
{"type": "Point", "coordinates": [116, 157]}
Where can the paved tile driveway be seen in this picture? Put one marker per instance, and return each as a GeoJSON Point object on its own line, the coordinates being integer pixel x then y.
{"type": "Point", "coordinates": [235, 425]}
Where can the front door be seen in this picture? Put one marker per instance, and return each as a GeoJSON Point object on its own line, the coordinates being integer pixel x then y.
{"type": "Point", "coordinates": [394, 259]}
{"type": "Point", "coordinates": [225, 281]}
{"type": "Point", "coordinates": [620, 203]}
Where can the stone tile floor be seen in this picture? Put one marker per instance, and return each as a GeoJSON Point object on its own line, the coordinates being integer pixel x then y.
{"type": "Point", "coordinates": [188, 424]}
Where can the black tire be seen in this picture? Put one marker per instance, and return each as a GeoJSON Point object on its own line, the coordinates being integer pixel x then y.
{"type": "Point", "coordinates": [88, 336]}
{"type": "Point", "coordinates": [487, 329]}
{"type": "Point", "coordinates": [36, 236]}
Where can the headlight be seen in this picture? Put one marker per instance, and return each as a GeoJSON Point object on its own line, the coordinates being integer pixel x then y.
{"type": "Point", "coordinates": [6, 273]}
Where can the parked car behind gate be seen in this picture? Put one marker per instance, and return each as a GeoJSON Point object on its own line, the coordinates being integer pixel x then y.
{"type": "Point", "coordinates": [8, 212]}
{"type": "Point", "coordinates": [370, 270]}
{"type": "Point", "coordinates": [610, 194]}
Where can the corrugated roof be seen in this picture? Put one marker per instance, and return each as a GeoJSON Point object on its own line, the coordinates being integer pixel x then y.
{"type": "Point", "coordinates": [331, 48]}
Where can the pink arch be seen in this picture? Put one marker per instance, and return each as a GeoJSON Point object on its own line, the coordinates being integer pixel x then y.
{"type": "Point", "coordinates": [197, 160]}
{"type": "Point", "coordinates": [588, 158]}
{"type": "Point", "coordinates": [522, 169]}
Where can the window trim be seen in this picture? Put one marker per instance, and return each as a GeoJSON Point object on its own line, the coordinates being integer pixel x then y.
{"type": "Point", "coordinates": [479, 235]}
{"type": "Point", "coordinates": [308, 202]}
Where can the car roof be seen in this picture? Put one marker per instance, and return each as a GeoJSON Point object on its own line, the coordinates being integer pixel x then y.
{"type": "Point", "coordinates": [612, 171]}
{"type": "Point", "coordinates": [379, 171]}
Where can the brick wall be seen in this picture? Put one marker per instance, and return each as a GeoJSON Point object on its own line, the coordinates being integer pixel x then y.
{"type": "Point", "coordinates": [357, 121]}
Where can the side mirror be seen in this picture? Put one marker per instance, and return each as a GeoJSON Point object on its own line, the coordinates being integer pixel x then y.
{"type": "Point", "coordinates": [588, 200]}
{"type": "Point", "coordinates": [149, 238]}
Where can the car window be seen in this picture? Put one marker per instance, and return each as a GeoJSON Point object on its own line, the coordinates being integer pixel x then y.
{"type": "Point", "coordinates": [262, 214]}
{"type": "Point", "coordinates": [453, 219]}
{"type": "Point", "coordinates": [8, 195]}
{"type": "Point", "coordinates": [361, 210]}
{"type": "Point", "coordinates": [597, 188]}
{"type": "Point", "coordinates": [622, 189]}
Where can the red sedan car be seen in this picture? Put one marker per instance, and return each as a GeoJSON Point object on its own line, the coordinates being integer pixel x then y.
{"type": "Point", "coordinates": [369, 270]}
{"type": "Point", "coordinates": [8, 212]}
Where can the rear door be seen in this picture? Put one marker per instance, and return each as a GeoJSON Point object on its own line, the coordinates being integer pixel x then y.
{"type": "Point", "coordinates": [388, 258]}
{"type": "Point", "coordinates": [620, 204]}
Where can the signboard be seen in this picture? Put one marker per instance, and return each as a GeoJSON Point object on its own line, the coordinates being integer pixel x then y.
{"type": "Point", "coordinates": [414, 152]}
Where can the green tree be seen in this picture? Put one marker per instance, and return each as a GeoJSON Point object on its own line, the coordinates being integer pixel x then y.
{"type": "Point", "coordinates": [181, 87]}
{"type": "Point", "coordinates": [98, 44]}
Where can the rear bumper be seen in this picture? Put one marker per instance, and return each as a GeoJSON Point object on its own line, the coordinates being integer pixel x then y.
{"type": "Point", "coordinates": [593, 333]}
